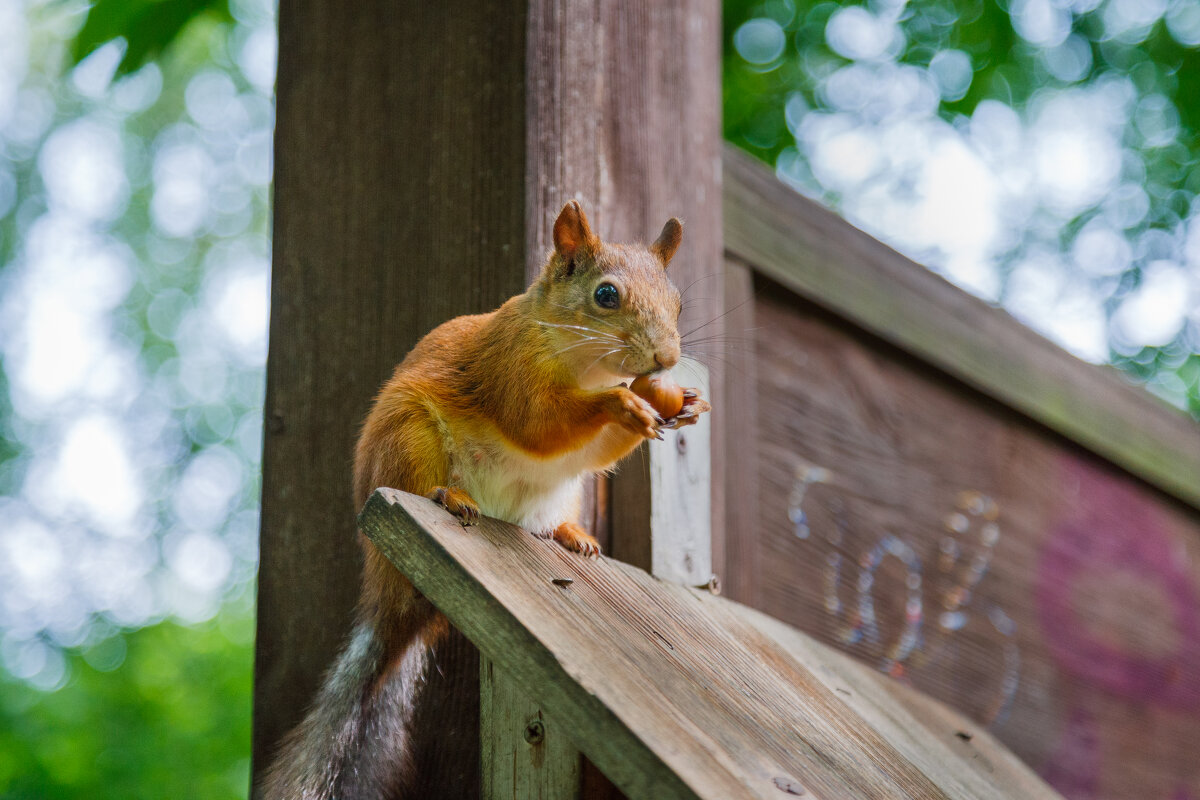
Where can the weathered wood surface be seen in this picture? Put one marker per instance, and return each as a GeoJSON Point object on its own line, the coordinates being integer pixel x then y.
{"type": "Point", "coordinates": [947, 540]}
{"type": "Point", "coordinates": [524, 754]}
{"type": "Point", "coordinates": [673, 692]}
{"type": "Point", "coordinates": [811, 251]}
{"type": "Point", "coordinates": [400, 173]}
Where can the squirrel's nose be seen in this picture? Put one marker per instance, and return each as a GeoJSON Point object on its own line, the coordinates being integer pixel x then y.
{"type": "Point", "coordinates": [666, 361]}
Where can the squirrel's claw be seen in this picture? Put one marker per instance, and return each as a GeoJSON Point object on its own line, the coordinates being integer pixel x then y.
{"type": "Point", "coordinates": [458, 503]}
{"type": "Point", "coordinates": [573, 537]}
{"type": "Point", "coordinates": [637, 415]}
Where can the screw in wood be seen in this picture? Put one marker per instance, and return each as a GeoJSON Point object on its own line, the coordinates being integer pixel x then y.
{"type": "Point", "coordinates": [535, 732]}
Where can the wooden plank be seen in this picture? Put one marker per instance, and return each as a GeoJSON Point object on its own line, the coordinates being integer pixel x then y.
{"type": "Point", "coordinates": [810, 250]}
{"type": "Point", "coordinates": [624, 114]}
{"type": "Point", "coordinates": [680, 486]}
{"type": "Point", "coordinates": [668, 690]}
{"type": "Point", "coordinates": [399, 178]}
{"type": "Point", "coordinates": [947, 540]}
{"type": "Point", "coordinates": [929, 735]}
{"type": "Point", "coordinates": [524, 753]}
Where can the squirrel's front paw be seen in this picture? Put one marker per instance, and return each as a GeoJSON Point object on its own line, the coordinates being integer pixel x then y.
{"type": "Point", "coordinates": [576, 539]}
{"type": "Point", "coordinates": [693, 406]}
{"type": "Point", "coordinates": [457, 502]}
{"type": "Point", "coordinates": [636, 415]}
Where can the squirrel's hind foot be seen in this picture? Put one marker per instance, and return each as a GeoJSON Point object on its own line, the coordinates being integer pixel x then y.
{"type": "Point", "coordinates": [457, 502]}
{"type": "Point", "coordinates": [576, 539]}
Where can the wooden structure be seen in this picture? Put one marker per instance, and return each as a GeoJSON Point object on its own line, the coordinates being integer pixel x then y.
{"type": "Point", "coordinates": [898, 469]}
{"type": "Point", "coordinates": [671, 691]}
{"type": "Point", "coordinates": [949, 498]}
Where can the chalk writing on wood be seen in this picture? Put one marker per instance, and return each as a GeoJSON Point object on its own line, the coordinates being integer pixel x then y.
{"type": "Point", "coordinates": [964, 551]}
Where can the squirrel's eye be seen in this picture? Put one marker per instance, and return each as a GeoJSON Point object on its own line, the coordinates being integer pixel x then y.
{"type": "Point", "coordinates": [607, 296]}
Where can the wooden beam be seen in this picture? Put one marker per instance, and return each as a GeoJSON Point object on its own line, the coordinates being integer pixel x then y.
{"type": "Point", "coordinates": [674, 693]}
{"type": "Point", "coordinates": [813, 252]}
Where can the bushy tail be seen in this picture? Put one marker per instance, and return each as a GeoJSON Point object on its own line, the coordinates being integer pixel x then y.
{"type": "Point", "coordinates": [364, 700]}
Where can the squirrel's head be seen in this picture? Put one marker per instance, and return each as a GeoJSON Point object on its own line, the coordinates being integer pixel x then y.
{"type": "Point", "coordinates": [610, 310]}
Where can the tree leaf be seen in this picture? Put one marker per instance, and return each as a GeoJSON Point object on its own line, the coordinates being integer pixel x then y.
{"type": "Point", "coordinates": [148, 27]}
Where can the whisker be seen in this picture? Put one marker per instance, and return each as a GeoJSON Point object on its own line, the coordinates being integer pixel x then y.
{"type": "Point", "coordinates": [576, 328]}
{"type": "Point", "coordinates": [597, 361]}
{"type": "Point", "coordinates": [731, 334]}
{"type": "Point", "coordinates": [720, 340]}
{"type": "Point", "coordinates": [580, 344]}
{"type": "Point", "coordinates": [714, 319]}
{"type": "Point", "coordinates": [707, 358]}
{"type": "Point", "coordinates": [701, 278]}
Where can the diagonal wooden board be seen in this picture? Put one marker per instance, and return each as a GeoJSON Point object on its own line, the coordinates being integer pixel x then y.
{"type": "Point", "coordinates": [675, 693]}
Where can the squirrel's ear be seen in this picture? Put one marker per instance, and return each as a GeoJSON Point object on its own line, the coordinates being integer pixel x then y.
{"type": "Point", "coordinates": [571, 232]}
{"type": "Point", "coordinates": [668, 241]}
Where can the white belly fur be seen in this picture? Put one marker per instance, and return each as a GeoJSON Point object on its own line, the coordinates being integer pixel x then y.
{"type": "Point", "coordinates": [537, 494]}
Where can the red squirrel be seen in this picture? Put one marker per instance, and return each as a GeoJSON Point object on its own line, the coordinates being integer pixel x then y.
{"type": "Point", "coordinates": [501, 414]}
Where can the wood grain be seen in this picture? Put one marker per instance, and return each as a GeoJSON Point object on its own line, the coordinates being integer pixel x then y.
{"type": "Point", "coordinates": [811, 251]}
{"type": "Point", "coordinates": [524, 753]}
{"type": "Point", "coordinates": [399, 178]}
{"type": "Point", "coordinates": [672, 692]}
{"type": "Point", "coordinates": [944, 539]}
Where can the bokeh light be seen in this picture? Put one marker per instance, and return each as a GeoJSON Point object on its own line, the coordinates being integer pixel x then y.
{"type": "Point", "coordinates": [134, 273]}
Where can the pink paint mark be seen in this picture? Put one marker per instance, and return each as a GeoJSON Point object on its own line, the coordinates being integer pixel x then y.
{"type": "Point", "coordinates": [1074, 768]}
{"type": "Point", "coordinates": [1113, 527]}
{"type": "Point", "coordinates": [1182, 793]}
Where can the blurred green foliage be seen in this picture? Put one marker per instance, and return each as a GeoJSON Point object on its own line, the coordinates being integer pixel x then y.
{"type": "Point", "coordinates": [161, 712]}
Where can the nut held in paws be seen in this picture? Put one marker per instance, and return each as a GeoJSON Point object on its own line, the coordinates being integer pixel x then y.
{"type": "Point", "coordinates": [661, 391]}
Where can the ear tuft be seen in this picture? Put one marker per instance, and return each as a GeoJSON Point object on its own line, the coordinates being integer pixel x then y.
{"type": "Point", "coordinates": [667, 243]}
{"type": "Point", "coordinates": [572, 232]}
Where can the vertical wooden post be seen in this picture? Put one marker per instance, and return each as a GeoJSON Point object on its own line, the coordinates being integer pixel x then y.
{"type": "Point", "coordinates": [524, 753]}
